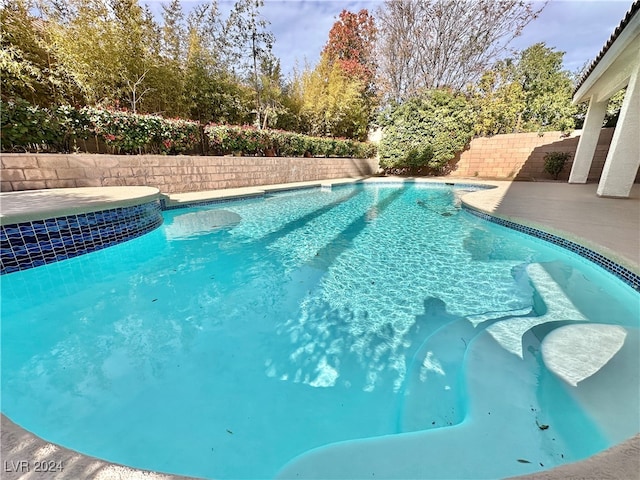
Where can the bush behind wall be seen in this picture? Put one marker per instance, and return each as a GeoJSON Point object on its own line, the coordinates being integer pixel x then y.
{"type": "Point", "coordinates": [28, 128]}
{"type": "Point", "coordinates": [424, 133]}
{"type": "Point", "coordinates": [226, 139]}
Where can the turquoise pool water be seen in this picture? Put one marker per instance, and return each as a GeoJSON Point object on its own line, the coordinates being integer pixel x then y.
{"type": "Point", "coordinates": [238, 337]}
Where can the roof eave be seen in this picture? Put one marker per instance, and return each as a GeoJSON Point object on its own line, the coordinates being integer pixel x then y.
{"type": "Point", "coordinates": [631, 16]}
{"type": "Point", "coordinates": [628, 38]}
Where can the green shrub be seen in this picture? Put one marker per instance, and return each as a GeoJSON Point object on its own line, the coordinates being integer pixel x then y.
{"type": "Point", "coordinates": [364, 150]}
{"type": "Point", "coordinates": [289, 144]}
{"type": "Point", "coordinates": [423, 134]}
{"type": "Point", "coordinates": [225, 139]}
{"type": "Point", "coordinates": [133, 133]}
{"type": "Point", "coordinates": [176, 136]}
{"type": "Point", "coordinates": [28, 128]}
{"type": "Point", "coordinates": [344, 148]}
{"type": "Point", "coordinates": [554, 163]}
{"type": "Point", "coordinates": [73, 125]}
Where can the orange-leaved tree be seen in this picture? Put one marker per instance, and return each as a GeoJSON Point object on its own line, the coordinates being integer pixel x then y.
{"type": "Point", "coordinates": [351, 44]}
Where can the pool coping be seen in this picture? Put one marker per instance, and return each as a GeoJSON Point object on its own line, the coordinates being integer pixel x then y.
{"type": "Point", "coordinates": [34, 205]}
{"type": "Point", "coordinates": [489, 202]}
{"type": "Point", "coordinates": [40, 227]}
{"type": "Point", "coordinates": [18, 445]}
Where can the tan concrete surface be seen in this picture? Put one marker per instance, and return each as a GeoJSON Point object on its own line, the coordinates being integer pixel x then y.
{"type": "Point", "coordinates": [16, 207]}
{"type": "Point", "coordinates": [610, 226]}
{"type": "Point", "coordinates": [621, 462]}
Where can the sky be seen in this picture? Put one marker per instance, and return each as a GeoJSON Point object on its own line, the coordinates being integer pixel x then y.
{"type": "Point", "coordinates": [301, 27]}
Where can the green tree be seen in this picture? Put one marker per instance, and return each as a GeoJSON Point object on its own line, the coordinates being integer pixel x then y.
{"type": "Point", "coordinates": [499, 101]}
{"type": "Point", "coordinates": [210, 93]}
{"type": "Point", "coordinates": [332, 102]}
{"type": "Point", "coordinates": [530, 93]}
{"type": "Point", "coordinates": [271, 88]}
{"type": "Point", "coordinates": [137, 50]}
{"type": "Point", "coordinates": [29, 68]}
{"type": "Point", "coordinates": [337, 97]}
{"type": "Point", "coordinates": [173, 32]}
{"type": "Point", "coordinates": [613, 108]}
{"type": "Point", "coordinates": [89, 45]}
{"type": "Point", "coordinates": [248, 42]}
{"type": "Point", "coordinates": [423, 134]}
{"type": "Point", "coordinates": [547, 90]}
{"type": "Point", "coordinates": [166, 74]}
{"type": "Point", "coordinates": [292, 99]}
{"type": "Point", "coordinates": [112, 53]}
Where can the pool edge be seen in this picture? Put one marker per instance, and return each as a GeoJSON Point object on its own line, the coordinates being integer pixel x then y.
{"type": "Point", "coordinates": [568, 242]}
{"type": "Point", "coordinates": [620, 460]}
{"type": "Point", "coordinates": [24, 453]}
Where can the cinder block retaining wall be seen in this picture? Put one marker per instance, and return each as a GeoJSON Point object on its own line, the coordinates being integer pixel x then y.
{"type": "Point", "coordinates": [170, 174]}
{"type": "Point", "coordinates": [518, 156]}
{"type": "Point", "coordinates": [521, 155]}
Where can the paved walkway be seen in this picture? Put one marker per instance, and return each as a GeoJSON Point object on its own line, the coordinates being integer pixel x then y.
{"type": "Point", "coordinates": [609, 226]}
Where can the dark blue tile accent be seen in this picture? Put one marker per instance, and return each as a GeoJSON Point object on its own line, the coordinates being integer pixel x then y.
{"type": "Point", "coordinates": [39, 227]}
{"type": "Point", "coordinates": [33, 249]}
{"type": "Point", "coordinates": [624, 274]}
{"type": "Point", "coordinates": [19, 250]}
{"type": "Point", "coordinates": [32, 244]}
{"type": "Point", "coordinates": [12, 231]}
{"type": "Point", "coordinates": [52, 225]}
{"type": "Point", "coordinates": [8, 259]}
{"type": "Point", "coordinates": [203, 203]}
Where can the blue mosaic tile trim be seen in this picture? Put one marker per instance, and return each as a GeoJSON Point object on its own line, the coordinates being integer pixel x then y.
{"type": "Point", "coordinates": [396, 183]}
{"type": "Point", "coordinates": [202, 203]}
{"type": "Point", "coordinates": [31, 244]}
{"type": "Point", "coordinates": [610, 266]}
{"type": "Point", "coordinates": [293, 189]}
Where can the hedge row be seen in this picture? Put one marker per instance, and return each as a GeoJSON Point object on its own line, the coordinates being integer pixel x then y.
{"type": "Point", "coordinates": [225, 139]}
{"type": "Point", "coordinates": [64, 129]}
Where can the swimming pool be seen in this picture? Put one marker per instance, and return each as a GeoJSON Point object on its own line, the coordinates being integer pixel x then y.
{"type": "Point", "coordinates": [241, 335]}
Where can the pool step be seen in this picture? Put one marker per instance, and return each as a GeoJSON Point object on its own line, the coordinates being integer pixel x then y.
{"type": "Point", "coordinates": [500, 435]}
{"type": "Point", "coordinates": [434, 381]}
{"type": "Point", "coordinates": [508, 333]}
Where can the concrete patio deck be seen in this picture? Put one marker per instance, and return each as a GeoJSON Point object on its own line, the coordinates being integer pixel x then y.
{"type": "Point", "coordinates": [608, 226]}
